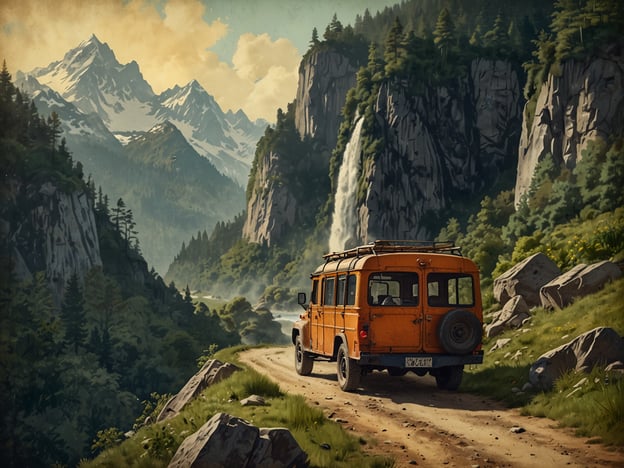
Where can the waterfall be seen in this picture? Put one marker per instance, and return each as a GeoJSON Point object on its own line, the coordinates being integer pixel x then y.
{"type": "Point", "coordinates": [344, 218]}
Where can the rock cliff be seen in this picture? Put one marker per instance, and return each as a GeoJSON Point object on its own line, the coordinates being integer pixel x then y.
{"type": "Point", "coordinates": [448, 143]}
{"type": "Point", "coordinates": [584, 102]}
{"type": "Point", "coordinates": [273, 206]}
{"type": "Point", "coordinates": [55, 232]}
{"type": "Point", "coordinates": [324, 79]}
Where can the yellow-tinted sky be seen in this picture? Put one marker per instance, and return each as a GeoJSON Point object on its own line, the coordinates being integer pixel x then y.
{"type": "Point", "coordinates": [244, 52]}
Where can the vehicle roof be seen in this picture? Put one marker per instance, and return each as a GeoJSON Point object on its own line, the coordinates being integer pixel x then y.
{"type": "Point", "coordinates": [398, 255]}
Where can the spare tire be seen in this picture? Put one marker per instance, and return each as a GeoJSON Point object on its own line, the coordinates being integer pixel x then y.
{"type": "Point", "coordinates": [460, 332]}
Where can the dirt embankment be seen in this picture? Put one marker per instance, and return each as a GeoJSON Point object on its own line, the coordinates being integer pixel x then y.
{"type": "Point", "coordinates": [411, 420]}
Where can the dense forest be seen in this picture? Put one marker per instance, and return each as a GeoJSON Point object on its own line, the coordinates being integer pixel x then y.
{"type": "Point", "coordinates": [77, 373]}
{"type": "Point", "coordinates": [423, 44]}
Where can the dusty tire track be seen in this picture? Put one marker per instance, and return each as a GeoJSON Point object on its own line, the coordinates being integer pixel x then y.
{"type": "Point", "coordinates": [409, 419]}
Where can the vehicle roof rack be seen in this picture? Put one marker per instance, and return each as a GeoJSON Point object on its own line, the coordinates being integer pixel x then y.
{"type": "Point", "coordinates": [390, 246]}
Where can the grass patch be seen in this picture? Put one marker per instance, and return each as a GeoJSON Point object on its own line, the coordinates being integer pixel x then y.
{"type": "Point", "coordinates": [592, 403]}
{"type": "Point", "coordinates": [597, 409]}
{"type": "Point", "coordinates": [325, 442]}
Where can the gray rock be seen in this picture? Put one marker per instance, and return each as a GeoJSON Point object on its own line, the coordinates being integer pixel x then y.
{"type": "Point", "coordinates": [578, 282]}
{"type": "Point", "coordinates": [526, 279]}
{"type": "Point", "coordinates": [228, 441]}
{"type": "Point", "coordinates": [212, 371]}
{"type": "Point", "coordinates": [253, 400]}
{"type": "Point", "coordinates": [514, 314]}
{"type": "Point", "coordinates": [600, 346]}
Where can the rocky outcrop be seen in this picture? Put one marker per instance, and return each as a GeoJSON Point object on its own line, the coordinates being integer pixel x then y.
{"type": "Point", "coordinates": [526, 279]}
{"type": "Point", "coordinates": [212, 371]}
{"type": "Point", "coordinates": [579, 281]}
{"type": "Point", "coordinates": [447, 143]}
{"type": "Point", "coordinates": [598, 347]}
{"type": "Point", "coordinates": [57, 235]}
{"type": "Point", "coordinates": [271, 207]}
{"type": "Point", "coordinates": [226, 441]}
{"type": "Point", "coordinates": [583, 102]}
{"type": "Point", "coordinates": [325, 76]}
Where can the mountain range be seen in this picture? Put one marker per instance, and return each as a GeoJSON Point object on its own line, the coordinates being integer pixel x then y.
{"type": "Point", "coordinates": [117, 127]}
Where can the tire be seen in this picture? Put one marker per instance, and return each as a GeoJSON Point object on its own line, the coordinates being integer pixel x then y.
{"type": "Point", "coordinates": [303, 362]}
{"type": "Point", "coordinates": [347, 369]}
{"type": "Point", "coordinates": [460, 332]}
{"type": "Point", "coordinates": [449, 378]}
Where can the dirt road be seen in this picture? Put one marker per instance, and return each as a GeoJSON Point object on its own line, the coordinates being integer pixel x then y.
{"type": "Point", "coordinates": [409, 419]}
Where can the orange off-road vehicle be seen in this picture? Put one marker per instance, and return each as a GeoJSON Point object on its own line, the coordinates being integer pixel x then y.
{"type": "Point", "coordinates": [392, 305]}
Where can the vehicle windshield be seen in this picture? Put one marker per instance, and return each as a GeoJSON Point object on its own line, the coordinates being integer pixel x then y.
{"type": "Point", "coordinates": [388, 289]}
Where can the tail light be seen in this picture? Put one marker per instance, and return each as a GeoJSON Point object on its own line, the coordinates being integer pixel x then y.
{"type": "Point", "coordinates": [364, 332]}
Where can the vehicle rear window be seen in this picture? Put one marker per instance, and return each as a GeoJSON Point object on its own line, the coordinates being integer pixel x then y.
{"type": "Point", "coordinates": [450, 289]}
{"type": "Point", "coordinates": [393, 289]}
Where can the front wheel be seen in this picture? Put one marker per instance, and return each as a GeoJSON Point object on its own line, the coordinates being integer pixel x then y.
{"type": "Point", "coordinates": [449, 378]}
{"type": "Point", "coordinates": [303, 362]}
{"type": "Point", "coordinates": [348, 370]}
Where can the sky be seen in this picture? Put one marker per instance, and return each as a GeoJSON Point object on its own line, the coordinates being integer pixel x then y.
{"type": "Point", "coordinates": [245, 53]}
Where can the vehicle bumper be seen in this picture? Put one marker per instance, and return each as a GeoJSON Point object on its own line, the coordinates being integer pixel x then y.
{"type": "Point", "coordinates": [437, 360]}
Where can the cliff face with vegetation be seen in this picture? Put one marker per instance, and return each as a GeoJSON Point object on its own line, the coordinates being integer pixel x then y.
{"type": "Point", "coordinates": [58, 235]}
{"type": "Point", "coordinates": [582, 103]}
{"type": "Point", "coordinates": [283, 190]}
{"type": "Point", "coordinates": [439, 146]}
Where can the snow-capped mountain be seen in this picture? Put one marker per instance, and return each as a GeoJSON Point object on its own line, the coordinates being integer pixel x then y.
{"type": "Point", "coordinates": [75, 124]}
{"type": "Point", "coordinates": [91, 78]}
{"type": "Point", "coordinates": [211, 132]}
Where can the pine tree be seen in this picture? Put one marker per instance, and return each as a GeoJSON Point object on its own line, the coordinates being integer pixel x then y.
{"type": "Point", "coordinates": [54, 123]}
{"type": "Point", "coordinates": [73, 314]}
{"type": "Point", "coordinates": [444, 33]}
{"type": "Point", "coordinates": [394, 51]}
{"type": "Point", "coordinates": [315, 38]}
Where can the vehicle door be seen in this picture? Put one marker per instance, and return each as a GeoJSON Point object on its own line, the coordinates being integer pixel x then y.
{"type": "Point", "coordinates": [396, 313]}
{"type": "Point", "coordinates": [327, 317]}
{"type": "Point", "coordinates": [445, 291]}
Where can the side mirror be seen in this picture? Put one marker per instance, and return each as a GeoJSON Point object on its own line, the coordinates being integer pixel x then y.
{"type": "Point", "coordinates": [301, 300]}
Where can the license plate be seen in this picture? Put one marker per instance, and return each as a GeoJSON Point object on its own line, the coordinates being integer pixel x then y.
{"type": "Point", "coordinates": [418, 362]}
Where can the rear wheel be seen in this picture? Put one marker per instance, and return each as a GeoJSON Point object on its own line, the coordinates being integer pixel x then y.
{"type": "Point", "coordinates": [303, 362]}
{"type": "Point", "coordinates": [449, 378]}
{"type": "Point", "coordinates": [348, 370]}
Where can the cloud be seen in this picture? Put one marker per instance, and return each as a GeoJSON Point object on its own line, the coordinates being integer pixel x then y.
{"type": "Point", "coordinates": [171, 43]}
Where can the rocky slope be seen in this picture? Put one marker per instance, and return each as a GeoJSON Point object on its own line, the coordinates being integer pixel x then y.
{"type": "Point", "coordinates": [585, 101]}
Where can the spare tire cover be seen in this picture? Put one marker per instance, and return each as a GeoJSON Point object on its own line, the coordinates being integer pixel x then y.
{"type": "Point", "coordinates": [460, 332]}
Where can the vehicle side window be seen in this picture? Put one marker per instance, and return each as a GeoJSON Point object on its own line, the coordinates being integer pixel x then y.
{"type": "Point", "coordinates": [351, 284]}
{"type": "Point", "coordinates": [314, 292]}
{"type": "Point", "coordinates": [450, 289]}
{"type": "Point", "coordinates": [340, 291]}
{"type": "Point", "coordinates": [328, 291]}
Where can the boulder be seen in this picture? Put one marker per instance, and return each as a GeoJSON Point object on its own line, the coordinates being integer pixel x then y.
{"type": "Point", "coordinates": [526, 279]}
{"type": "Point", "coordinates": [578, 282]}
{"type": "Point", "coordinates": [212, 371]}
{"type": "Point", "coordinates": [226, 441]}
{"type": "Point", "coordinates": [513, 315]}
{"type": "Point", "coordinates": [599, 347]}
